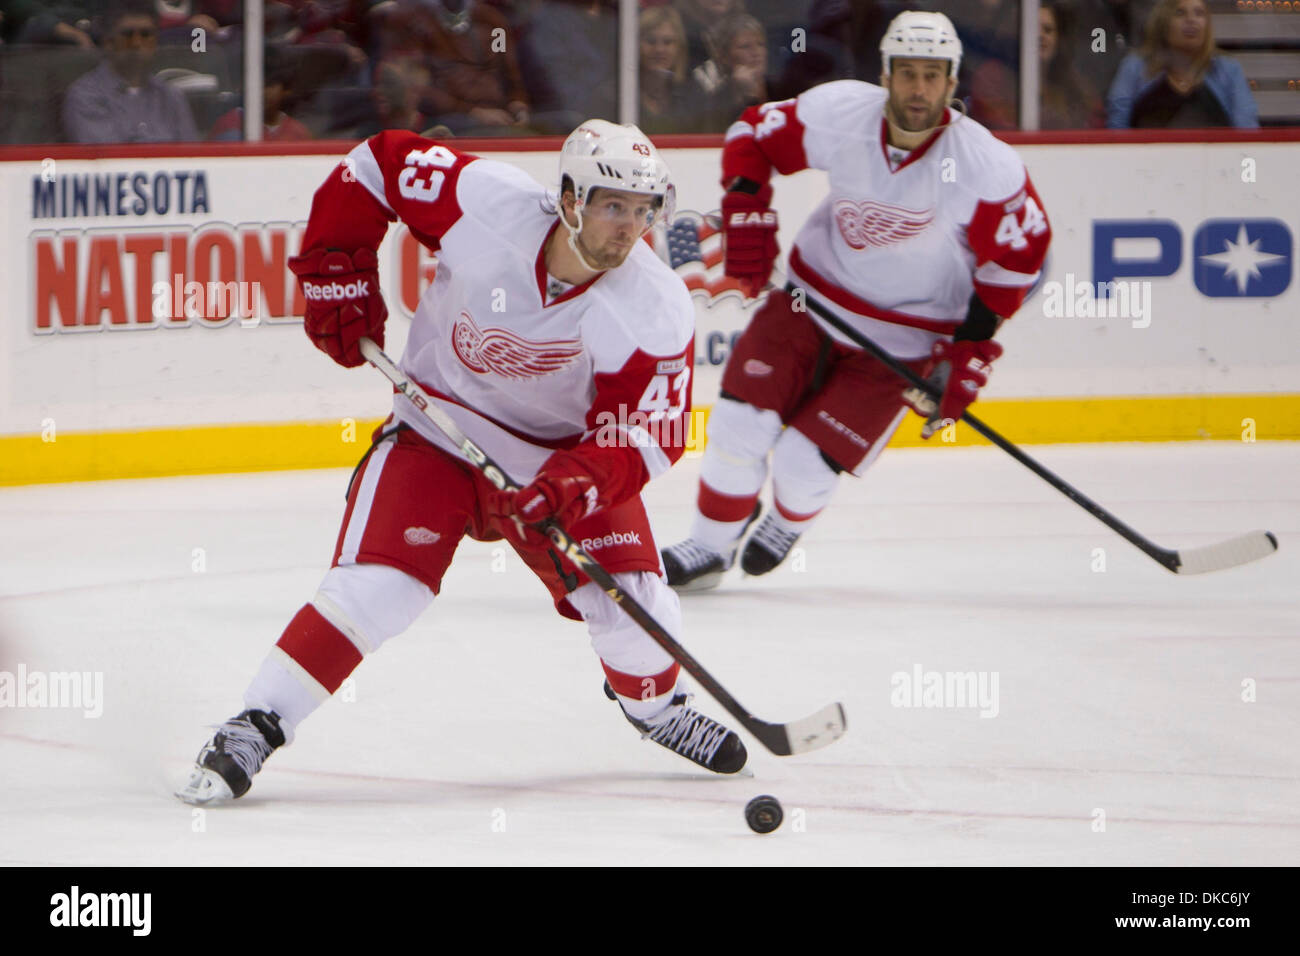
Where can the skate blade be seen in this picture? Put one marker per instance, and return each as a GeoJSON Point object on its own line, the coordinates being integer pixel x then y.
{"type": "Point", "coordinates": [204, 787]}
{"type": "Point", "coordinates": [705, 582]}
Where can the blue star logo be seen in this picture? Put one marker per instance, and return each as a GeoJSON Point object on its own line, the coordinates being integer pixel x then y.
{"type": "Point", "coordinates": [1242, 258]}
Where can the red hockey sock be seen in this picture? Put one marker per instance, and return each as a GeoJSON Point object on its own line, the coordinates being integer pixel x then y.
{"type": "Point", "coordinates": [719, 507]}
{"type": "Point", "coordinates": [643, 695]}
{"type": "Point", "coordinates": [319, 648]}
{"type": "Point", "coordinates": [794, 518]}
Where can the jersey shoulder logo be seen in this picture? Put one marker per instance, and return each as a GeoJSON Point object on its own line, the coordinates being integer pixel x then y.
{"type": "Point", "coordinates": [501, 352]}
{"type": "Point", "coordinates": [870, 224]}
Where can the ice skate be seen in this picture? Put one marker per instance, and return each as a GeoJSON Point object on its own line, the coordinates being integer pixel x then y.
{"type": "Point", "coordinates": [684, 730]}
{"type": "Point", "coordinates": [691, 566]}
{"type": "Point", "coordinates": [767, 547]}
{"type": "Point", "coordinates": [225, 766]}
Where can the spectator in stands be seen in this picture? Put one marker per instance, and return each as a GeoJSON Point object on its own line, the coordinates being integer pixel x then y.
{"type": "Point", "coordinates": [396, 94]}
{"type": "Point", "coordinates": [698, 18]}
{"type": "Point", "coordinates": [277, 125]}
{"type": "Point", "coordinates": [990, 39]}
{"type": "Point", "coordinates": [1104, 32]}
{"type": "Point", "coordinates": [476, 87]}
{"type": "Point", "coordinates": [48, 21]}
{"type": "Point", "coordinates": [337, 26]}
{"type": "Point", "coordinates": [581, 83]}
{"type": "Point", "coordinates": [669, 98]}
{"type": "Point", "coordinates": [1179, 80]}
{"type": "Point", "coordinates": [1065, 101]}
{"type": "Point", "coordinates": [866, 29]}
{"type": "Point", "coordinates": [120, 101]}
{"type": "Point", "coordinates": [177, 19]}
{"type": "Point", "coordinates": [809, 41]}
{"type": "Point", "coordinates": [736, 75]}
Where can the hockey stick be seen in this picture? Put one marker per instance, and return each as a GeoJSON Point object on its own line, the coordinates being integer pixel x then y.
{"type": "Point", "coordinates": [797, 737]}
{"type": "Point", "coordinates": [1211, 557]}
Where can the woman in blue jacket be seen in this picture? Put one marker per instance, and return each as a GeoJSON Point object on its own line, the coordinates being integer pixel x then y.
{"type": "Point", "coordinates": [1177, 80]}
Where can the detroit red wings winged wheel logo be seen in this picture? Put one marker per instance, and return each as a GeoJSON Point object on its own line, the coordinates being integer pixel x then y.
{"type": "Point", "coordinates": [506, 354]}
{"type": "Point", "coordinates": [878, 224]}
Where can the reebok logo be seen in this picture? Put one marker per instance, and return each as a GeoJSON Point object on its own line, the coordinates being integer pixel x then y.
{"type": "Point", "coordinates": [610, 540]}
{"type": "Point", "coordinates": [767, 218]}
{"type": "Point", "coordinates": [335, 291]}
{"type": "Point", "coordinates": [757, 368]}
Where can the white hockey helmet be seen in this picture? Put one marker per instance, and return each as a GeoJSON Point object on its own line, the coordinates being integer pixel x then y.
{"type": "Point", "coordinates": [603, 155]}
{"type": "Point", "coordinates": [929, 36]}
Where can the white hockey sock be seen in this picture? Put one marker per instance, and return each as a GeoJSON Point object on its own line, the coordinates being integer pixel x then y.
{"type": "Point", "coordinates": [625, 648]}
{"type": "Point", "coordinates": [733, 471]}
{"type": "Point", "coordinates": [791, 525]}
{"type": "Point", "coordinates": [356, 609]}
{"type": "Point", "coordinates": [719, 536]}
{"type": "Point", "coordinates": [802, 481]}
{"type": "Point", "coordinates": [640, 709]}
{"type": "Point", "coordinates": [293, 696]}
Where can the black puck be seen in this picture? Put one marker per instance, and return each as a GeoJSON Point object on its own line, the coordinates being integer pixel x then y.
{"type": "Point", "coordinates": [764, 814]}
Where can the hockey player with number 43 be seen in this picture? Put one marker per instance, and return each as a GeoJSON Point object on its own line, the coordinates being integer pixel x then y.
{"type": "Point", "coordinates": [930, 236]}
{"type": "Point", "coordinates": [552, 336]}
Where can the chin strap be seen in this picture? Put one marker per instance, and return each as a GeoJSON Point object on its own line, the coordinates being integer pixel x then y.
{"type": "Point", "coordinates": [573, 238]}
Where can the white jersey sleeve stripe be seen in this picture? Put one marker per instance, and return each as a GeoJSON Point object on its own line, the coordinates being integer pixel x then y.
{"type": "Point", "coordinates": [363, 165]}
{"type": "Point", "coordinates": [737, 130]}
{"type": "Point", "coordinates": [993, 274]}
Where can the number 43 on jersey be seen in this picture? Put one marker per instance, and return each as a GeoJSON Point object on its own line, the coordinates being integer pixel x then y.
{"type": "Point", "coordinates": [662, 399]}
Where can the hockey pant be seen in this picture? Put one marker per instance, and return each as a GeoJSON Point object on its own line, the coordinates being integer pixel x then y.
{"type": "Point", "coordinates": [819, 408]}
{"type": "Point", "coordinates": [409, 505]}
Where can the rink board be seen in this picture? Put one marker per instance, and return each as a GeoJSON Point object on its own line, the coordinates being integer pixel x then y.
{"type": "Point", "coordinates": [110, 368]}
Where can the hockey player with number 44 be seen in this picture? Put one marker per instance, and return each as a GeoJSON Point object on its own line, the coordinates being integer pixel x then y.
{"type": "Point", "coordinates": [552, 335]}
{"type": "Point", "coordinates": [930, 236]}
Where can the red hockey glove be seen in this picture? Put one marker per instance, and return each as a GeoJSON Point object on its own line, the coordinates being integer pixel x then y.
{"type": "Point", "coordinates": [961, 369]}
{"type": "Point", "coordinates": [564, 490]}
{"type": "Point", "coordinates": [749, 238]}
{"type": "Point", "coordinates": [343, 301]}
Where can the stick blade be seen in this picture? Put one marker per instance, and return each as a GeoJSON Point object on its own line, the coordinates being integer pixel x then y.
{"type": "Point", "coordinates": [811, 733]}
{"type": "Point", "coordinates": [1227, 554]}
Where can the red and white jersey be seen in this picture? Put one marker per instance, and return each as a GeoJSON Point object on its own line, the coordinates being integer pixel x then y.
{"type": "Point", "coordinates": [902, 238]}
{"type": "Point", "coordinates": [524, 363]}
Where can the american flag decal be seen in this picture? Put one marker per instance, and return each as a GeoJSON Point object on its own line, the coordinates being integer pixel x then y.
{"type": "Point", "coordinates": [695, 254]}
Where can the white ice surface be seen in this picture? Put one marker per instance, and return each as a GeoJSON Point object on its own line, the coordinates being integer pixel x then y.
{"type": "Point", "coordinates": [482, 737]}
